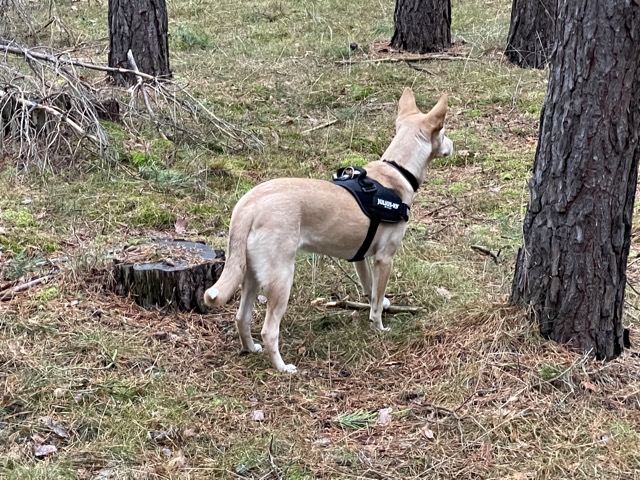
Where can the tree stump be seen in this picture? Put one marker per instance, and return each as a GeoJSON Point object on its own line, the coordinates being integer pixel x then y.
{"type": "Point", "coordinates": [163, 273]}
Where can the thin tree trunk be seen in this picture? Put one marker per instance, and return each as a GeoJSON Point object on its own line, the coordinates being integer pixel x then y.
{"type": "Point", "coordinates": [531, 32]}
{"type": "Point", "coordinates": [142, 27]}
{"type": "Point", "coordinates": [571, 271]}
{"type": "Point", "coordinates": [422, 26]}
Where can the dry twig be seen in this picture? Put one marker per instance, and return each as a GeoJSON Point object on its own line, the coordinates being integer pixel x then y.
{"type": "Point", "coordinates": [418, 58]}
{"type": "Point", "coordinates": [485, 251]}
{"type": "Point", "coordinates": [318, 127]}
{"type": "Point", "coordinates": [9, 294]}
{"type": "Point", "coordinates": [365, 306]}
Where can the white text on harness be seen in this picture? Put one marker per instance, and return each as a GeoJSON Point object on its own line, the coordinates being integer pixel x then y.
{"type": "Point", "coordinates": [387, 204]}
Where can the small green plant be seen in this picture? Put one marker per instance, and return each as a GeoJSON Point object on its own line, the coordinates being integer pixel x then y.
{"type": "Point", "coordinates": [139, 159]}
{"type": "Point", "coordinates": [152, 215]}
{"type": "Point", "coordinates": [47, 294]}
{"type": "Point", "coordinates": [360, 92]}
{"type": "Point", "coordinates": [187, 39]}
{"type": "Point", "coordinates": [356, 420]}
{"type": "Point", "coordinates": [549, 373]}
{"type": "Point", "coordinates": [20, 217]}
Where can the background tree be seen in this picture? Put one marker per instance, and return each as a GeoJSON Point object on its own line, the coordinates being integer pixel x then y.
{"type": "Point", "coordinates": [571, 271]}
{"type": "Point", "coordinates": [422, 25]}
{"type": "Point", "coordinates": [142, 27]}
{"type": "Point", "coordinates": [531, 32]}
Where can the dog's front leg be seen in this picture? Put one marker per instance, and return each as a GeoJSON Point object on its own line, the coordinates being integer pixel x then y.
{"type": "Point", "coordinates": [381, 271]}
{"type": "Point", "coordinates": [363, 269]}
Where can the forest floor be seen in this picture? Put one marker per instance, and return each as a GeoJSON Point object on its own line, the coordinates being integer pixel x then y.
{"type": "Point", "coordinates": [95, 387]}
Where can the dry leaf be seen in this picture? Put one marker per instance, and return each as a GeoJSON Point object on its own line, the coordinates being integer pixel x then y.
{"type": "Point", "coordinates": [55, 427]}
{"type": "Point", "coordinates": [443, 292]}
{"type": "Point", "coordinates": [323, 442]}
{"type": "Point", "coordinates": [384, 416]}
{"type": "Point", "coordinates": [590, 386]}
{"type": "Point", "coordinates": [427, 432]}
{"type": "Point", "coordinates": [181, 225]}
{"type": "Point", "coordinates": [44, 450]}
{"type": "Point", "coordinates": [257, 415]}
{"type": "Point", "coordinates": [486, 451]}
{"type": "Point", "coordinates": [177, 462]}
{"type": "Point", "coordinates": [607, 439]}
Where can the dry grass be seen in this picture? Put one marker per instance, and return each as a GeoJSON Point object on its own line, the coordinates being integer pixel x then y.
{"type": "Point", "coordinates": [474, 391]}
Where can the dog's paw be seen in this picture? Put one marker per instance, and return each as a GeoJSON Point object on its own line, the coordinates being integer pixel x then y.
{"type": "Point", "coordinates": [256, 348]}
{"type": "Point", "coordinates": [289, 368]}
{"type": "Point", "coordinates": [379, 327]}
{"type": "Point", "coordinates": [385, 303]}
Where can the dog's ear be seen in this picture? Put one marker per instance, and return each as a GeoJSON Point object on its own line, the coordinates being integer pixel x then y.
{"type": "Point", "coordinates": [436, 115]}
{"type": "Point", "coordinates": [407, 103]}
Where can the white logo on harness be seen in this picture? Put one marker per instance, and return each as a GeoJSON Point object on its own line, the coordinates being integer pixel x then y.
{"type": "Point", "coordinates": [387, 204]}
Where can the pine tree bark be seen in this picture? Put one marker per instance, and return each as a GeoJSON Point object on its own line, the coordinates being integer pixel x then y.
{"type": "Point", "coordinates": [571, 271]}
{"type": "Point", "coordinates": [531, 32]}
{"type": "Point", "coordinates": [141, 26]}
{"type": "Point", "coordinates": [422, 26]}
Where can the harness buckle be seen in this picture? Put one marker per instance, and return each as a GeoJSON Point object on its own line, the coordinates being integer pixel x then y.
{"type": "Point", "coordinates": [367, 185]}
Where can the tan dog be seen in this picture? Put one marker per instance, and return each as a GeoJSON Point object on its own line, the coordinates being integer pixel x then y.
{"type": "Point", "coordinates": [279, 217]}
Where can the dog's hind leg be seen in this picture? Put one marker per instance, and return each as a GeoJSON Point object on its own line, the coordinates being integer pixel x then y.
{"type": "Point", "coordinates": [243, 317]}
{"type": "Point", "coordinates": [381, 272]}
{"type": "Point", "coordinates": [363, 269]}
{"type": "Point", "coordinates": [277, 291]}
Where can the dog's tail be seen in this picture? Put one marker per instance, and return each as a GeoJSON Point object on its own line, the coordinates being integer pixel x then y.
{"type": "Point", "coordinates": [235, 265]}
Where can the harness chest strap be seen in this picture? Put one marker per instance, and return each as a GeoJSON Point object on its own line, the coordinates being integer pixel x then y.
{"type": "Point", "coordinates": [379, 203]}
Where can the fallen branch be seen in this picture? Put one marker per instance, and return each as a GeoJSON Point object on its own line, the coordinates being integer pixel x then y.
{"type": "Point", "coordinates": [8, 295]}
{"type": "Point", "coordinates": [419, 69]}
{"type": "Point", "coordinates": [30, 53]}
{"type": "Point", "coordinates": [62, 116]}
{"type": "Point", "coordinates": [365, 306]}
{"type": "Point", "coordinates": [418, 58]}
{"type": "Point", "coordinates": [139, 83]}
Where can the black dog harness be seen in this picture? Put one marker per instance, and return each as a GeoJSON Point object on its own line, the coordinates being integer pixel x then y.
{"type": "Point", "coordinates": [379, 203]}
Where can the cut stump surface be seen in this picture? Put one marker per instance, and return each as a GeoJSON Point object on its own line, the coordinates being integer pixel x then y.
{"type": "Point", "coordinates": [168, 273]}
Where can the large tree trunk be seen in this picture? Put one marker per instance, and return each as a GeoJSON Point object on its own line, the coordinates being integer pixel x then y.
{"type": "Point", "coordinates": [531, 33]}
{"type": "Point", "coordinates": [140, 26]}
{"type": "Point", "coordinates": [422, 26]}
{"type": "Point", "coordinates": [571, 271]}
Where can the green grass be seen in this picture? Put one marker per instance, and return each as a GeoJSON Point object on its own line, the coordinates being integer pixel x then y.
{"type": "Point", "coordinates": [475, 391]}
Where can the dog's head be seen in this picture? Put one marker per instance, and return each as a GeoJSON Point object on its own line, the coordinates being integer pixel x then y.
{"type": "Point", "coordinates": [420, 136]}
